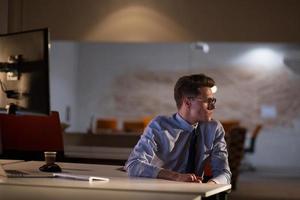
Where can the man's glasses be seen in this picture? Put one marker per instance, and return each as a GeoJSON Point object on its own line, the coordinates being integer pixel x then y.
{"type": "Point", "coordinates": [210, 101]}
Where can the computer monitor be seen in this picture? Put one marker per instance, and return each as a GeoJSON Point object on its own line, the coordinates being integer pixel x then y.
{"type": "Point", "coordinates": [24, 72]}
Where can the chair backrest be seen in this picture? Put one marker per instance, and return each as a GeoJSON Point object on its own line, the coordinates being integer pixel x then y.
{"type": "Point", "coordinates": [134, 126]}
{"type": "Point", "coordinates": [27, 137]}
{"type": "Point", "coordinates": [235, 140]}
{"type": "Point", "coordinates": [229, 124]}
{"type": "Point", "coordinates": [256, 130]}
{"type": "Point", "coordinates": [106, 125]}
{"type": "Point", "coordinates": [255, 133]}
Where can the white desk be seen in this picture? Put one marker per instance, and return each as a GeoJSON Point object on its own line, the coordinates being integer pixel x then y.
{"type": "Point", "coordinates": [8, 162]}
{"type": "Point", "coordinates": [119, 186]}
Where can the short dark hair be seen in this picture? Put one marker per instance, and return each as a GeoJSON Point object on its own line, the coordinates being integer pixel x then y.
{"type": "Point", "coordinates": [188, 86]}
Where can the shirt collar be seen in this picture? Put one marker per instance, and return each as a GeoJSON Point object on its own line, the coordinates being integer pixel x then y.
{"type": "Point", "coordinates": [184, 124]}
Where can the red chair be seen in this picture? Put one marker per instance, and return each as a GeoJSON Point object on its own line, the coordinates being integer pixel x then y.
{"type": "Point", "coordinates": [27, 137]}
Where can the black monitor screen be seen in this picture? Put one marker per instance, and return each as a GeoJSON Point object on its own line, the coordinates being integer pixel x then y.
{"type": "Point", "coordinates": [24, 72]}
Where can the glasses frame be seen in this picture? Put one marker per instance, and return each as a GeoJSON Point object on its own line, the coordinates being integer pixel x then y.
{"type": "Point", "coordinates": [210, 100]}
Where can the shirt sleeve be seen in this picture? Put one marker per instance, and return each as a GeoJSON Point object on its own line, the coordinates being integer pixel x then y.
{"type": "Point", "coordinates": [140, 160]}
{"type": "Point", "coordinates": [219, 158]}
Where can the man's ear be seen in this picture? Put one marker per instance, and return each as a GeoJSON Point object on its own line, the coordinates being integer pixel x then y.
{"type": "Point", "coordinates": [187, 102]}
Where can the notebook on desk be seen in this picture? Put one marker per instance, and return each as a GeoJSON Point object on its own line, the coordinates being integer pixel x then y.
{"type": "Point", "coordinates": [12, 173]}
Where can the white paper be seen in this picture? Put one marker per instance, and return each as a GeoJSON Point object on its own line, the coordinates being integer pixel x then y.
{"type": "Point", "coordinates": [80, 177]}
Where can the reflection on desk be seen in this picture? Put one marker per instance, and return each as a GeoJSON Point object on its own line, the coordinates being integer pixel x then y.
{"type": "Point", "coordinates": [119, 186]}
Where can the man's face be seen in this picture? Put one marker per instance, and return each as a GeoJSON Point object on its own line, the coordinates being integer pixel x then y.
{"type": "Point", "coordinates": [202, 106]}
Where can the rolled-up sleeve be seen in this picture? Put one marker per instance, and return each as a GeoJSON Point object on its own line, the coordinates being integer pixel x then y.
{"type": "Point", "coordinates": [219, 159]}
{"type": "Point", "coordinates": [140, 160]}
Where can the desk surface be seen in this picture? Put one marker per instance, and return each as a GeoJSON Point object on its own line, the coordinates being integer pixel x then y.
{"type": "Point", "coordinates": [118, 186]}
{"type": "Point", "coordinates": [7, 162]}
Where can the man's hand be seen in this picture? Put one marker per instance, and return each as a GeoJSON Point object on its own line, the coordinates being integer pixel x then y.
{"type": "Point", "coordinates": [211, 182]}
{"type": "Point", "coordinates": [188, 178]}
{"type": "Point", "coordinates": [175, 176]}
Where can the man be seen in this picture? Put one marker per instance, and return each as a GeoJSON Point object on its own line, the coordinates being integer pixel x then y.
{"type": "Point", "coordinates": [178, 147]}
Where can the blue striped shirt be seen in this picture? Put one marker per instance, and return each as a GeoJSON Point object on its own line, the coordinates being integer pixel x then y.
{"type": "Point", "coordinates": [165, 145]}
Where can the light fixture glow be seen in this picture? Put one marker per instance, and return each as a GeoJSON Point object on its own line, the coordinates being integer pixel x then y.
{"type": "Point", "coordinates": [267, 58]}
{"type": "Point", "coordinates": [214, 89]}
{"type": "Point", "coordinates": [264, 56]}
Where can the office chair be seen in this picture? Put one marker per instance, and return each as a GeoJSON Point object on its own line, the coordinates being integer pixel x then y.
{"type": "Point", "coordinates": [27, 137]}
{"type": "Point", "coordinates": [229, 124]}
{"type": "Point", "coordinates": [137, 126]}
{"type": "Point", "coordinates": [246, 165]}
{"type": "Point", "coordinates": [106, 125]}
{"type": "Point", "coordinates": [235, 140]}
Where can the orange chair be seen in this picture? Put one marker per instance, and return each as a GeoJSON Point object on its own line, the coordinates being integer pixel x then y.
{"type": "Point", "coordinates": [103, 125]}
{"type": "Point", "coordinates": [134, 126]}
{"type": "Point", "coordinates": [253, 137]}
{"type": "Point", "coordinates": [246, 164]}
{"type": "Point", "coordinates": [147, 120]}
{"type": "Point", "coordinates": [229, 124]}
{"type": "Point", "coordinates": [27, 137]}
